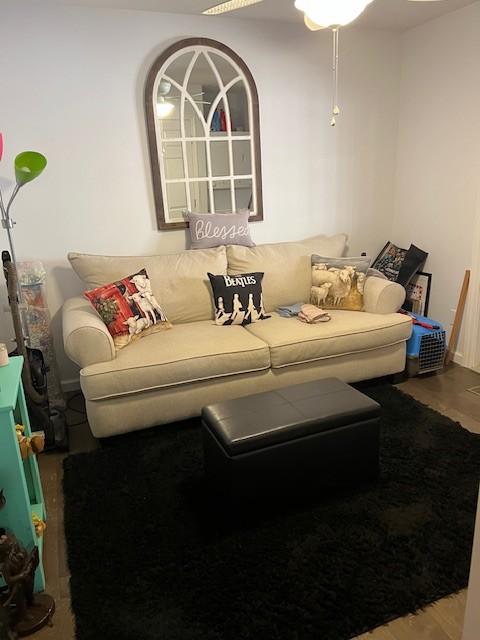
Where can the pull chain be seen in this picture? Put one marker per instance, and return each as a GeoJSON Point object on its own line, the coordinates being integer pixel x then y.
{"type": "Point", "coordinates": [335, 107]}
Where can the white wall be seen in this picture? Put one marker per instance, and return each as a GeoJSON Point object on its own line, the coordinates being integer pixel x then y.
{"type": "Point", "coordinates": [73, 89]}
{"type": "Point", "coordinates": [438, 170]}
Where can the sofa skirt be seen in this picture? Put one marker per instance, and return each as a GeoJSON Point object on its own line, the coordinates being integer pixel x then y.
{"type": "Point", "coordinates": [131, 412]}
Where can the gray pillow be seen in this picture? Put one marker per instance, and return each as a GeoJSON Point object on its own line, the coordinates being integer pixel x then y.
{"type": "Point", "coordinates": [209, 230]}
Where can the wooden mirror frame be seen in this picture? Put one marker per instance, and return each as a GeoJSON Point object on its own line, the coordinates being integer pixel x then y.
{"type": "Point", "coordinates": [152, 135]}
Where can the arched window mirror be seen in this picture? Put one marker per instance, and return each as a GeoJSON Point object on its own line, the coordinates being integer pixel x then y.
{"type": "Point", "coordinates": [203, 133]}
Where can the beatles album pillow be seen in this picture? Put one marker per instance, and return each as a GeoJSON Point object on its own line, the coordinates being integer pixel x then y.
{"type": "Point", "coordinates": [128, 308]}
{"type": "Point", "coordinates": [238, 299]}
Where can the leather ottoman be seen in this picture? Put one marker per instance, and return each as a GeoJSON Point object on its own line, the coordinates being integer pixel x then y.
{"type": "Point", "coordinates": [305, 437]}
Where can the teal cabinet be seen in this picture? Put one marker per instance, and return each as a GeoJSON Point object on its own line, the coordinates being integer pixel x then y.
{"type": "Point", "coordinates": [19, 478]}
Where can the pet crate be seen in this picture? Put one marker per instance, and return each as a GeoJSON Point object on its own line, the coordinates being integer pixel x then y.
{"type": "Point", "coordinates": [426, 347]}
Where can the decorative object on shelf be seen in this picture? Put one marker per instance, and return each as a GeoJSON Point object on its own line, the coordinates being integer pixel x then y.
{"type": "Point", "coordinates": [29, 445]}
{"type": "Point", "coordinates": [418, 293]}
{"type": "Point", "coordinates": [28, 613]}
{"type": "Point", "coordinates": [3, 354]}
{"type": "Point", "coordinates": [203, 128]}
{"type": "Point", "coordinates": [39, 524]}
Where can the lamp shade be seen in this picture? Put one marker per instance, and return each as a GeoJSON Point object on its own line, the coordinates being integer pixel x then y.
{"type": "Point", "coordinates": [331, 13]}
{"type": "Point", "coordinates": [28, 166]}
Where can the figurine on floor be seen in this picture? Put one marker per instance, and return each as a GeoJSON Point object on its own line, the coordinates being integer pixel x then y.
{"type": "Point", "coordinates": [6, 632]}
{"type": "Point", "coordinates": [20, 611]}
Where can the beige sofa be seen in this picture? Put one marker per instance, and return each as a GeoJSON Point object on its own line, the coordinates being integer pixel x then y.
{"type": "Point", "coordinates": [171, 375]}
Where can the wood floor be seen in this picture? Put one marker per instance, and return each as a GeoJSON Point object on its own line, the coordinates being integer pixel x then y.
{"type": "Point", "coordinates": [446, 392]}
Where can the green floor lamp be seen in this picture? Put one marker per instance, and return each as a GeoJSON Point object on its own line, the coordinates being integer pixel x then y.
{"type": "Point", "coordinates": [28, 166]}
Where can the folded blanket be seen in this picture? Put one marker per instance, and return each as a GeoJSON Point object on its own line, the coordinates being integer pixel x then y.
{"type": "Point", "coordinates": [290, 311]}
{"type": "Point", "coordinates": [312, 315]}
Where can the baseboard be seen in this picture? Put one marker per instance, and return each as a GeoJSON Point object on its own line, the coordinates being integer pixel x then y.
{"type": "Point", "coordinates": [70, 385]}
{"type": "Point", "coordinates": [459, 358]}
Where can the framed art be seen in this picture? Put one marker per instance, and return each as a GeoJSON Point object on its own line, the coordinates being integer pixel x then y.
{"type": "Point", "coordinates": [418, 293]}
{"type": "Point", "coordinates": [389, 260]}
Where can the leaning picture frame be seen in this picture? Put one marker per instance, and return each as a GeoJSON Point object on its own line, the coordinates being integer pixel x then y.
{"type": "Point", "coordinates": [389, 261]}
{"type": "Point", "coordinates": [418, 293]}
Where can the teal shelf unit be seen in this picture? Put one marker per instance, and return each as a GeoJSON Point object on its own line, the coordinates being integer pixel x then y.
{"type": "Point", "coordinates": [19, 478]}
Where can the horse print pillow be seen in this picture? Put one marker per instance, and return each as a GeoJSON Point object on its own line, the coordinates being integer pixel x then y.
{"type": "Point", "coordinates": [128, 308]}
{"type": "Point", "coordinates": [338, 283]}
{"type": "Point", "coordinates": [238, 299]}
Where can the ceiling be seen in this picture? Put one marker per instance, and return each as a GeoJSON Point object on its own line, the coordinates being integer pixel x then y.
{"type": "Point", "coordinates": [382, 14]}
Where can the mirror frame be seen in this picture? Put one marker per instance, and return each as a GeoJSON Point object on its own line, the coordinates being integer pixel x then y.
{"type": "Point", "coordinates": [155, 159]}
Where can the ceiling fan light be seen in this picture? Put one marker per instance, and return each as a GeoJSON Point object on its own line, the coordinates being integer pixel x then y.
{"type": "Point", "coordinates": [313, 26]}
{"type": "Point", "coordinates": [164, 108]}
{"type": "Point", "coordinates": [331, 13]}
{"type": "Point", "coordinates": [231, 5]}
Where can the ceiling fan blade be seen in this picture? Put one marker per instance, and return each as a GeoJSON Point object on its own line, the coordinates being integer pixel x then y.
{"type": "Point", "coordinates": [424, 0]}
{"type": "Point", "coordinates": [230, 5]}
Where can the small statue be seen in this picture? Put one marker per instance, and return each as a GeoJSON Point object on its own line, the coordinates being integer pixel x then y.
{"type": "Point", "coordinates": [20, 611]}
{"type": "Point", "coordinates": [17, 567]}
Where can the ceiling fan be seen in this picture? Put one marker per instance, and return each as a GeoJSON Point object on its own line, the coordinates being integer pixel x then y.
{"type": "Point", "coordinates": [165, 104]}
{"type": "Point", "coordinates": [323, 6]}
{"type": "Point", "coordinates": [317, 14]}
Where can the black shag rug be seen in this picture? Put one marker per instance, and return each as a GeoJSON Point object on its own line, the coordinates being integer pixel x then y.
{"type": "Point", "coordinates": [152, 559]}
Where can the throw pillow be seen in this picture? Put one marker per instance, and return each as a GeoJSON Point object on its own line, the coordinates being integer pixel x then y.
{"type": "Point", "coordinates": [209, 230]}
{"type": "Point", "coordinates": [238, 299]}
{"type": "Point", "coordinates": [338, 283]}
{"type": "Point", "coordinates": [128, 308]}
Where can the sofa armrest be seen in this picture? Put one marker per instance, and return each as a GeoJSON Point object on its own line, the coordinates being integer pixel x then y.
{"type": "Point", "coordinates": [85, 337]}
{"type": "Point", "coordinates": [383, 296]}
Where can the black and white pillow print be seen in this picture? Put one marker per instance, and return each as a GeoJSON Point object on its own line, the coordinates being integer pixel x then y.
{"type": "Point", "coordinates": [238, 299]}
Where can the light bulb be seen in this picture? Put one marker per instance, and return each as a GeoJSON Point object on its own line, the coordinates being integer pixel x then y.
{"type": "Point", "coordinates": [164, 108]}
{"type": "Point", "coordinates": [331, 13]}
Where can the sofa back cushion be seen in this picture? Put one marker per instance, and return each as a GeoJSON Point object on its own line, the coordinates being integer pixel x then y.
{"type": "Point", "coordinates": [179, 281]}
{"type": "Point", "coordinates": [286, 265]}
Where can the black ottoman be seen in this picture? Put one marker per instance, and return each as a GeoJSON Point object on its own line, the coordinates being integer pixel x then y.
{"type": "Point", "coordinates": [305, 437]}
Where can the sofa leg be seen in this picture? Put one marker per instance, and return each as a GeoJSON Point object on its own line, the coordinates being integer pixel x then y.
{"type": "Point", "coordinates": [398, 378]}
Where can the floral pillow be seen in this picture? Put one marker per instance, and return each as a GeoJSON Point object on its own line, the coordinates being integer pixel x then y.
{"type": "Point", "coordinates": [128, 308]}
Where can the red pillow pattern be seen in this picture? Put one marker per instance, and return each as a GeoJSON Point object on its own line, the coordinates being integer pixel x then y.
{"type": "Point", "coordinates": [129, 308]}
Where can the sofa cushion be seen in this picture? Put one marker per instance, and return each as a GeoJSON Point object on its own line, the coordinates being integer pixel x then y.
{"type": "Point", "coordinates": [187, 353]}
{"type": "Point", "coordinates": [293, 342]}
{"type": "Point", "coordinates": [286, 266]}
{"type": "Point", "coordinates": [331, 246]}
{"type": "Point", "coordinates": [179, 281]}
